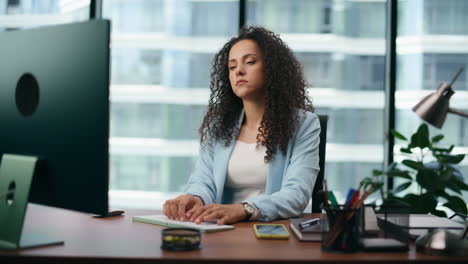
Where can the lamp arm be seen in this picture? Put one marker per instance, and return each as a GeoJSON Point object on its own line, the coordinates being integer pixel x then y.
{"type": "Point", "coordinates": [457, 112]}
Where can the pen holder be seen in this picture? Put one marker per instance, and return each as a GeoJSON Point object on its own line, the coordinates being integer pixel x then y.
{"type": "Point", "coordinates": [341, 229]}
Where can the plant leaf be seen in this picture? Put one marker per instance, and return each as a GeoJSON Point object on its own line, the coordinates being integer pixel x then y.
{"type": "Point", "coordinates": [456, 172]}
{"type": "Point", "coordinates": [398, 135]}
{"type": "Point", "coordinates": [402, 187]}
{"type": "Point", "coordinates": [399, 173]}
{"type": "Point", "coordinates": [448, 158]}
{"type": "Point", "coordinates": [455, 159]}
{"type": "Point", "coordinates": [413, 164]}
{"type": "Point", "coordinates": [442, 193]}
{"type": "Point", "coordinates": [395, 205]}
{"type": "Point", "coordinates": [377, 172]}
{"type": "Point", "coordinates": [429, 180]}
{"type": "Point", "coordinates": [437, 138]}
{"type": "Point", "coordinates": [460, 184]}
{"type": "Point", "coordinates": [376, 186]}
{"type": "Point", "coordinates": [406, 150]}
{"type": "Point", "coordinates": [441, 150]}
{"type": "Point", "coordinates": [421, 204]}
{"type": "Point", "coordinates": [456, 204]}
{"type": "Point", "coordinates": [439, 213]}
{"type": "Point", "coordinates": [453, 186]}
{"type": "Point", "coordinates": [421, 137]}
{"type": "Point", "coordinates": [368, 181]}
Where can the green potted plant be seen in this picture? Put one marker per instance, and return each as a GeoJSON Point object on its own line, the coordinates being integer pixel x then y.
{"type": "Point", "coordinates": [437, 180]}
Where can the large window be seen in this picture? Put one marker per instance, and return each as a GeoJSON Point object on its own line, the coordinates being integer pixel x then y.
{"type": "Point", "coordinates": [341, 45]}
{"type": "Point", "coordinates": [161, 58]}
{"type": "Point", "coordinates": [160, 80]}
{"type": "Point", "coordinates": [17, 14]}
{"type": "Point", "coordinates": [431, 52]}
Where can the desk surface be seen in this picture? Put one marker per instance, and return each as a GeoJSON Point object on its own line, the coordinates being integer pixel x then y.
{"type": "Point", "coordinates": [121, 240]}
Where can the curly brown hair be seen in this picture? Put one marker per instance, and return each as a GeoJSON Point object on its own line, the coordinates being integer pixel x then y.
{"type": "Point", "coordinates": [285, 94]}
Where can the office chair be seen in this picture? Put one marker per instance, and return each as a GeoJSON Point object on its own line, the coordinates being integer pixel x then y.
{"type": "Point", "coordinates": [317, 200]}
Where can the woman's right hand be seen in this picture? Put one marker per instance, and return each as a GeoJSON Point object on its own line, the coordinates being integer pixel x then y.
{"type": "Point", "coordinates": [177, 208]}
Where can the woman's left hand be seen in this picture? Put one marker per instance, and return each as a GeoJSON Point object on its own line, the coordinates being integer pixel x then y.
{"type": "Point", "coordinates": [226, 213]}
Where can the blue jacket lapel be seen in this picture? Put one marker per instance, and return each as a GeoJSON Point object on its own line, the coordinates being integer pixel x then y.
{"type": "Point", "coordinates": [275, 173]}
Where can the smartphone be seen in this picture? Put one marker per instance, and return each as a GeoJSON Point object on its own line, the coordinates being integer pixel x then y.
{"type": "Point", "coordinates": [271, 231]}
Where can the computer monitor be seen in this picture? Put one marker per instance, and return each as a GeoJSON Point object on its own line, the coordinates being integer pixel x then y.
{"type": "Point", "coordinates": [54, 107]}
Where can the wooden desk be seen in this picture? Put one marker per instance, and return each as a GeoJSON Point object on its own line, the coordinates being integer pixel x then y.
{"type": "Point", "coordinates": [120, 240]}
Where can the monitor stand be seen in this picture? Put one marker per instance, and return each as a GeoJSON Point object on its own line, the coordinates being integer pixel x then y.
{"type": "Point", "coordinates": [16, 173]}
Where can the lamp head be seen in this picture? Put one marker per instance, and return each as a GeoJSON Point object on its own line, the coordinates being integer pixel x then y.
{"type": "Point", "coordinates": [434, 107]}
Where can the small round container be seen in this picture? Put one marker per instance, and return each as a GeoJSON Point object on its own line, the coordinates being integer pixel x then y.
{"type": "Point", "coordinates": [180, 239]}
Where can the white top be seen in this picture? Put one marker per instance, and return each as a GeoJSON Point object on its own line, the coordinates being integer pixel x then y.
{"type": "Point", "coordinates": [247, 171]}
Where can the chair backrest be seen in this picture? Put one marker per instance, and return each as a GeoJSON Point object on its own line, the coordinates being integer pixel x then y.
{"type": "Point", "coordinates": [317, 200]}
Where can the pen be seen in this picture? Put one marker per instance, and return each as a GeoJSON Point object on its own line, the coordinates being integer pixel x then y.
{"type": "Point", "coordinates": [309, 222]}
{"type": "Point", "coordinates": [332, 199]}
{"type": "Point", "coordinates": [349, 196]}
{"type": "Point", "coordinates": [354, 198]}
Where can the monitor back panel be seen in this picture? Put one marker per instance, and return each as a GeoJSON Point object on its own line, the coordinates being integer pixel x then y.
{"type": "Point", "coordinates": [67, 125]}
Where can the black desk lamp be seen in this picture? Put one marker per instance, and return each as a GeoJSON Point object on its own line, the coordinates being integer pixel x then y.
{"type": "Point", "coordinates": [434, 107]}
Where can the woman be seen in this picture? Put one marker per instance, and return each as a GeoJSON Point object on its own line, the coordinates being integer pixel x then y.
{"type": "Point", "coordinates": [259, 138]}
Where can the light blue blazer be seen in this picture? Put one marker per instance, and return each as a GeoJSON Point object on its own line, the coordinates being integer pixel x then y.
{"type": "Point", "coordinates": [291, 175]}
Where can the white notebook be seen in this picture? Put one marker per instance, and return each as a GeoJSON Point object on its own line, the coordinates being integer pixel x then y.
{"type": "Point", "coordinates": [164, 221]}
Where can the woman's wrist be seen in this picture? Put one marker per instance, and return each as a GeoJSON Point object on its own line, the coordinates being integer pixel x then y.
{"type": "Point", "coordinates": [242, 213]}
{"type": "Point", "coordinates": [197, 196]}
{"type": "Point", "coordinates": [251, 211]}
